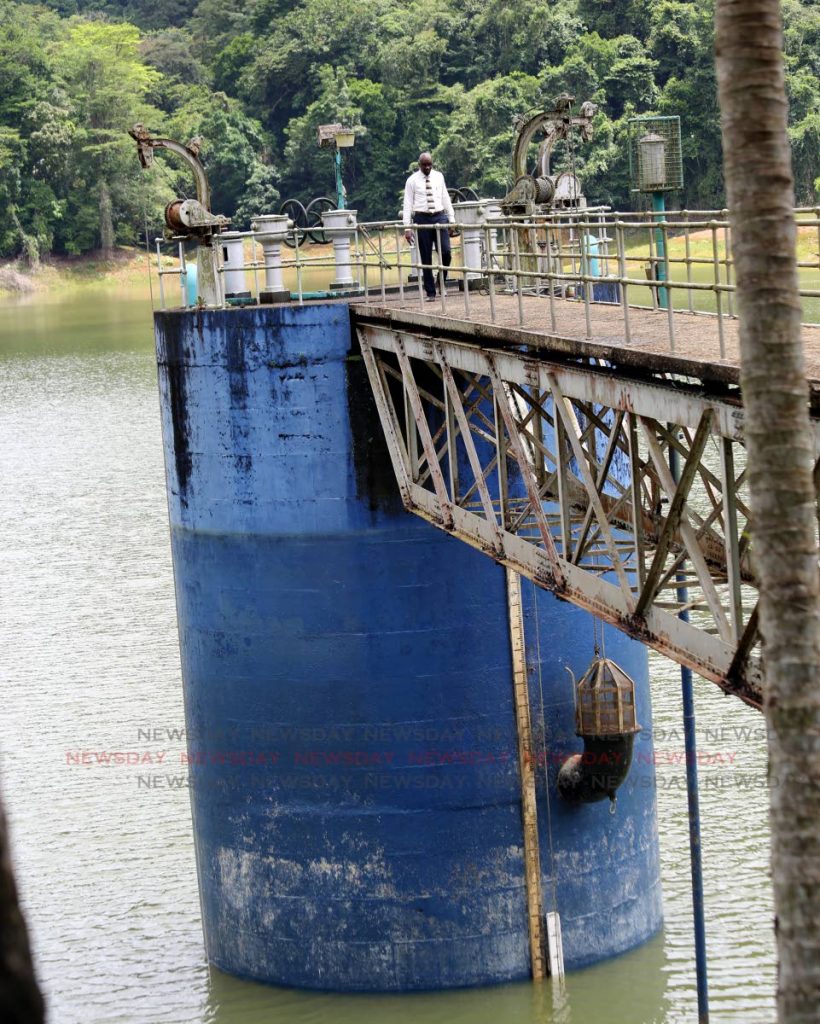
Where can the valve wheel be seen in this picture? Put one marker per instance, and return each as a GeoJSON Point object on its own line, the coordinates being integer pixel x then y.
{"type": "Point", "coordinates": [313, 214]}
{"type": "Point", "coordinates": [294, 210]}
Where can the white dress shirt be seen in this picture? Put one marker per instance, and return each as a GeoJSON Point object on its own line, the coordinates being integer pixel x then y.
{"type": "Point", "coordinates": [426, 194]}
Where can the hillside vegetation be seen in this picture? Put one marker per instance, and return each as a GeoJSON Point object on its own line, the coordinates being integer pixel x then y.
{"type": "Point", "coordinates": [253, 78]}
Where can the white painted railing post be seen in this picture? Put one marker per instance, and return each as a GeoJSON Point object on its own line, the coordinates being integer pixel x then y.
{"type": "Point", "coordinates": [271, 230]}
{"type": "Point", "coordinates": [340, 225]}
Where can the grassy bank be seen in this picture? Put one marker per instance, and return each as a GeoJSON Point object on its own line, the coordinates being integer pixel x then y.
{"type": "Point", "coordinates": [125, 267]}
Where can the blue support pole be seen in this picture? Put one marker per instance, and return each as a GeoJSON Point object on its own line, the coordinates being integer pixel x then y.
{"type": "Point", "coordinates": [659, 210]}
{"type": "Point", "coordinates": [693, 802]}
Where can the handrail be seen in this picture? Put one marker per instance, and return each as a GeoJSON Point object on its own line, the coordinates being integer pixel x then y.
{"type": "Point", "coordinates": [594, 258]}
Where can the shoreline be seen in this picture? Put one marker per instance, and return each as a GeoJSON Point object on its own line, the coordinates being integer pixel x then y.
{"type": "Point", "coordinates": [125, 266]}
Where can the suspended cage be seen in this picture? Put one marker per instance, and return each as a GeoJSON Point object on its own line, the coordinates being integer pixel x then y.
{"type": "Point", "coordinates": [655, 160]}
{"type": "Point", "coordinates": [605, 701]}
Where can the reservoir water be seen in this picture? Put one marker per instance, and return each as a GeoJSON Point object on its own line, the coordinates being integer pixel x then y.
{"type": "Point", "coordinates": [92, 740]}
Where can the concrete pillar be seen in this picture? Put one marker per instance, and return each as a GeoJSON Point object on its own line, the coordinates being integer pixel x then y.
{"type": "Point", "coordinates": [340, 225]}
{"type": "Point", "coordinates": [208, 285]}
{"type": "Point", "coordinates": [470, 218]}
{"type": "Point", "coordinates": [271, 230]}
{"type": "Point", "coordinates": [304, 645]}
{"type": "Point", "coordinates": [232, 251]}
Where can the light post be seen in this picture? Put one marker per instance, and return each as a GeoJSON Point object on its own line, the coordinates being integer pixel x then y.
{"type": "Point", "coordinates": [655, 169]}
{"type": "Point", "coordinates": [339, 137]}
{"type": "Point", "coordinates": [651, 175]}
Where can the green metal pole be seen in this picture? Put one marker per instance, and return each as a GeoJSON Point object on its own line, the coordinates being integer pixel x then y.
{"type": "Point", "coordinates": [659, 210]}
{"type": "Point", "coordinates": [340, 190]}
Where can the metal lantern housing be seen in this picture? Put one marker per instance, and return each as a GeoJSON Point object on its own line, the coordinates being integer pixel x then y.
{"type": "Point", "coordinates": [605, 718]}
{"type": "Point", "coordinates": [655, 163]}
{"type": "Point", "coordinates": [651, 161]}
{"type": "Point", "coordinates": [338, 136]}
{"type": "Point", "coordinates": [605, 701]}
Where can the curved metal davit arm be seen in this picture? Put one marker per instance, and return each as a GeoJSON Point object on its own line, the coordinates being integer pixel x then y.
{"type": "Point", "coordinates": [525, 134]}
{"type": "Point", "coordinates": [556, 124]}
{"type": "Point", "coordinates": [147, 143]}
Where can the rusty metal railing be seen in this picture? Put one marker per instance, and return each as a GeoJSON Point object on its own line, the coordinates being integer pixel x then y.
{"type": "Point", "coordinates": [541, 272]}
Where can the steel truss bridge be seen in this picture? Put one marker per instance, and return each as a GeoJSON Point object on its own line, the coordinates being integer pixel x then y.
{"type": "Point", "coordinates": [556, 463]}
{"type": "Point", "coordinates": [573, 410]}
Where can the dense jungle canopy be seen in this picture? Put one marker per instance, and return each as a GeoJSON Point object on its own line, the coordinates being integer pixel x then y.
{"type": "Point", "coordinates": [253, 79]}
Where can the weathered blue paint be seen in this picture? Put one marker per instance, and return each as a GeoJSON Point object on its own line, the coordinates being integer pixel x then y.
{"type": "Point", "coordinates": [348, 691]}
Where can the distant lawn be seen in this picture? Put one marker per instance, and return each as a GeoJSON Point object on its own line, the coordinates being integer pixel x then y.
{"type": "Point", "coordinates": [700, 248]}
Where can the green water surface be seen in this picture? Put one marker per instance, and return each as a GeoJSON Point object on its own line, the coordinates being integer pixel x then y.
{"type": "Point", "coordinates": [89, 662]}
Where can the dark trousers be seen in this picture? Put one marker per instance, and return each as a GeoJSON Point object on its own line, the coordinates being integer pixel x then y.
{"type": "Point", "coordinates": [428, 239]}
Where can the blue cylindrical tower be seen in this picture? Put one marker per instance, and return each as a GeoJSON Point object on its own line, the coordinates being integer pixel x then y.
{"type": "Point", "coordinates": [348, 695]}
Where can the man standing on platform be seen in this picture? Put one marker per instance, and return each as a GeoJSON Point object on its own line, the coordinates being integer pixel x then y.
{"type": "Point", "coordinates": [426, 202]}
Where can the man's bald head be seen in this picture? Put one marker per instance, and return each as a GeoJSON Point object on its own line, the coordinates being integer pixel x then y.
{"type": "Point", "coordinates": [425, 162]}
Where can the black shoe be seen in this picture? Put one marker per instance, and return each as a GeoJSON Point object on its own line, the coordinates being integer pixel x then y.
{"type": "Point", "coordinates": [429, 298]}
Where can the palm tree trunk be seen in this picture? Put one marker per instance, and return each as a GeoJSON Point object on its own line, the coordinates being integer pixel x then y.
{"type": "Point", "coordinates": [760, 188]}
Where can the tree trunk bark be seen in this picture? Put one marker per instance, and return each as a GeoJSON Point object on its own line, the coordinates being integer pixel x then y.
{"type": "Point", "coordinates": [760, 188]}
{"type": "Point", "coordinates": [106, 221]}
{"type": "Point", "coordinates": [20, 998]}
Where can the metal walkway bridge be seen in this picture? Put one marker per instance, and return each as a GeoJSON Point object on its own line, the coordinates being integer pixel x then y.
{"type": "Point", "coordinates": [595, 447]}
{"type": "Point", "coordinates": [550, 450]}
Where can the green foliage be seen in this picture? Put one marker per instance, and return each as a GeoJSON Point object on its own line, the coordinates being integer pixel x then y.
{"type": "Point", "coordinates": [169, 51]}
{"type": "Point", "coordinates": [476, 147]}
{"type": "Point", "coordinates": [521, 37]}
{"type": "Point", "coordinates": [230, 150]}
{"type": "Point", "coordinates": [254, 79]}
{"type": "Point", "coordinates": [369, 168]}
{"type": "Point", "coordinates": [609, 17]}
{"type": "Point", "coordinates": [231, 60]}
{"type": "Point", "coordinates": [802, 48]}
{"type": "Point", "coordinates": [308, 171]}
{"type": "Point", "coordinates": [25, 69]}
{"type": "Point", "coordinates": [105, 84]}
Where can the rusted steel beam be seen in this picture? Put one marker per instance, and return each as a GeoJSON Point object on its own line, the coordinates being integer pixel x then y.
{"type": "Point", "coordinates": [424, 434]}
{"type": "Point", "coordinates": [620, 519]}
{"type": "Point", "coordinates": [673, 518]}
{"type": "Point", "coordinates": [687, 532]}
{"type": "Point", "coordinates": [600, 481]}
{"type": "Point", "coordinates": [592, 492]}
{"type": "Point", "coordinates": [455, 398]}
{"type": "Point", "coordinates": [683, 642]}
{"type": "Point", "coordinates": [526, 469]}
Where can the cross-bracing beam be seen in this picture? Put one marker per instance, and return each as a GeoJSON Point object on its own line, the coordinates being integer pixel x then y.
{"type": "Point", "coordinates": [560, 470]}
